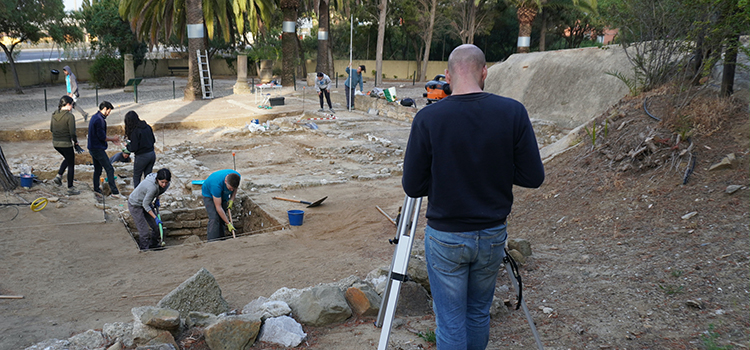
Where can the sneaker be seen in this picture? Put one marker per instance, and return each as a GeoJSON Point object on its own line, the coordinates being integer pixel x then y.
{"type": "Point", "coordinates": [85, 117]}
{"type": "Point", "coordinates": [116, 196]}
{"type": "Point", "coordinates": [331, 110]}
{"type": "Point", "coordinates": [72, 191]}
{"type": "Point", "coordinates": [321, 110]}
{"type": "Point", "coordinates": [57, 180]}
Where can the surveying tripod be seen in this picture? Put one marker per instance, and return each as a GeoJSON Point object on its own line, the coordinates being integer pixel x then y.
{"type": "Point", "coordinates": [407, 226]}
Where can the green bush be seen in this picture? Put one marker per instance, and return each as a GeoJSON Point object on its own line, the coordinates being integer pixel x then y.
{"type": "Point", "coordinates": [108, 71]}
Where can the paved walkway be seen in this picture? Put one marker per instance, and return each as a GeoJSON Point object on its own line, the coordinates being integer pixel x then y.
{"type": "Point", "coordinates": [26, 115]}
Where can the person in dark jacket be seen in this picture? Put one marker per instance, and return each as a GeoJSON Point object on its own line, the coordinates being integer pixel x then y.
{"type": "Point", "coordinates": [97, 145]}
{"type": "Point", "coordinates": [465, 154]}
{"type": "Point", "coordinates": [63, 128]}
{"type": "Point", "coordinates": [142, 204]}
{"type": "Point", "coordinates": [323, 86]}
{"type": "Point", "coordinates": [141, 144]}
{"type": "Point", "coordinates": [71, 86]}
{"type": "Point", "coordinates": [350, 85]}
{"type": "Point", "coordinates": [123, 157]}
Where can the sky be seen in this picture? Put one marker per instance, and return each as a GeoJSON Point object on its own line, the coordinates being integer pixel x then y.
{"type": "Point", "coordinates": [71, 5]}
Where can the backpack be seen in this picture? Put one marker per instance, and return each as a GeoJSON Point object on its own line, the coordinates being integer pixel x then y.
{"type": "Point", "coordinates": [408, 102]}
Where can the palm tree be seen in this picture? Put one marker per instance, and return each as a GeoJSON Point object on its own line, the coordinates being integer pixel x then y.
{"type": "Point", "coordinates": [528, 9]}
{"type": "Point", "coordinates": [324, 23]}
{"type": "Point", "coordinates": [288, 40]}
{"type": "Point", "coordinates": [159, 19]}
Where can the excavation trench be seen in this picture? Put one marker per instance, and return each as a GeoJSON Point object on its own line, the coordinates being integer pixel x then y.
{"type": "Point", "coordinates": [188, 223]}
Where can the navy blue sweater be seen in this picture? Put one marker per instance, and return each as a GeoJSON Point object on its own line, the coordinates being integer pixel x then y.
{"type": "Point", "coordinates": [465, 153]}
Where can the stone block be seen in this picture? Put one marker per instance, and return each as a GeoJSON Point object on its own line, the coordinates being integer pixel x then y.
{"type": "Point", "coordinates": [232, 333]}
{"type": "Point", "coordinates": [521, 245]}
{"type": "Point", "coordinates": [200, 292]}
{"type": "Point", "coordinates": [363, 299]}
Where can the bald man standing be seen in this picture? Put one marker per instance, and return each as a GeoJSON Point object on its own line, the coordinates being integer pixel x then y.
{"type": "Point", "coordinates": [465, 153]}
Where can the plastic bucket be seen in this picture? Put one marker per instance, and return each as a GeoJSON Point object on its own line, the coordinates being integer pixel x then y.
{"type": "Point", "coordinates": [295, 217]}
{"type": "Point", "coordinates": [27, 180]}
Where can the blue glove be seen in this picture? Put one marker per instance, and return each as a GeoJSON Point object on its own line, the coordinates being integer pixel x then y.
{"type": "Point", "coordinates": [157, 203]}
{"type": "Point", "coordinates": [158, 222]}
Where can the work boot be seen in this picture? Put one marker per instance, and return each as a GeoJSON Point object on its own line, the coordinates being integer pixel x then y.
{"type": "Point", "coordinates": [72, 191]}
{"type": "Point", "coordinates": [57, 180]}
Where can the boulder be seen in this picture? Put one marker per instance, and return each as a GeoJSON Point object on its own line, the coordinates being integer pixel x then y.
{"type": "Point", "coordinates": [89, 339]}
{"type": "Point", "coordinates": [263, 308]}
{"type": "Point", "coordinates": [198, 293]}
{"type": "Point", "coordinates": [161, 318]}
{"type": "Point", "coordinates": [200, 319]}
{"type": "Point", "coordinates": [321, 305]}
{"type": "Point", "coordinates": [417, 271]}
{"type": "Point", "coordinates": [518, 257]}
{"type": "Point", "coordinates": [521, 245]}
{"type": "Point", "coordinates": [147, 335]}
{"type": "Point", "coordinates": [232, 333]}
{"type": "Point", "coordinates": [287, 295]}
{"type": "Point", "coordinates": [50, 344]}
{"type": "Point", "coordinates": [157, 347]}
{"type": "Point", "coordinates": [119, 332]}
{"type": "Point", "coordinates": [282, 330]}
{"type": "Point", "coordinates": [363, 299]}
{"type": "Point", "coordinates": [413, 300]}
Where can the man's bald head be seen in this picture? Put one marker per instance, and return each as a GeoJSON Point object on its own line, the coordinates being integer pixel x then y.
{"type": "Point", "coordinates": [466, 65]}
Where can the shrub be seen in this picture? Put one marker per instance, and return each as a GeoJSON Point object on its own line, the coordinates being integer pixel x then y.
{"type": "Point", "coordinates": [108, 71]}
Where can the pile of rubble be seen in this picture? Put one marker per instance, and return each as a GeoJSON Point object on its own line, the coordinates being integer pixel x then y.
{"type": "Point", "coordinates": [195, 311]}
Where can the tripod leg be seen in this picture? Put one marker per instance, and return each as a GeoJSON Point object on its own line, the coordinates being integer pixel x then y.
{"type": "Point", "coordinates": [525, 308]}
{"type": "Point", "coordinates": [399, 264]}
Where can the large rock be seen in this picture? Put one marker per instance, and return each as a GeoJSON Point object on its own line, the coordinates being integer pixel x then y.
{"type": "Point", "coordinates": [521, 245]}
{"type": "Point", "coordinates": [200, 319]}
{"type": "Point", "coordinates": [413, 300]}
{"type": "Point", "coordinates": [119, 331]}
{"type": "Point", "coordinates": [199, 293]}
{"type": "Point", "coordinates": [417, 271]}
{"type": "Point", "coordinates": [50, 344]}
{"type": "Point", "coordinates": [282, 330]}
{"type": "Point", "coordinates": [263, 308]}
{"type": "Point", "coordinates": [89, 339]}
{"type": "Point", "coordinates": [363, 299]}
{"type": "Point", "coordinates": [287, 295]}
{"type": "Point", "coordinates": [161, 318]}
{"type": "Point", "coordinates": [232, 333]}
{"type": "Point", "coordinates": [322, 305]}
{"type": "Point", "coordinates": [147, 335]}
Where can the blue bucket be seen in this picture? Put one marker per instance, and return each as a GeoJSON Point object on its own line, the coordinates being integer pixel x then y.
{"type": "Point", "coordinates": [27, 180]}
{"type": "Point", "coordinates": [295, 217]}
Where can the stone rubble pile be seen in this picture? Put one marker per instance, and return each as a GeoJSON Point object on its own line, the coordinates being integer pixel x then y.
{"type": "Point", "coordinates": [197, 307]}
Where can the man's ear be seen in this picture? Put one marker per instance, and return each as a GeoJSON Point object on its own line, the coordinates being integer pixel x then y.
{"type": "Point", "coordinates": [447, 77]}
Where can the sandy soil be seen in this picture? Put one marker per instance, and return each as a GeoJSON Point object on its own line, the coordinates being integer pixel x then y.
{"type": "Point", "coordinates": [612, 257]}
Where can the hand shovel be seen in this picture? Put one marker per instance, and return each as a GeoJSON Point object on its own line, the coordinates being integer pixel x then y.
{"type": "Point", "coordinates": [309, 204]}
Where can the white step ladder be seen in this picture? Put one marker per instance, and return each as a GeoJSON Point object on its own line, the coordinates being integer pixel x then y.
{"type": "Point", "coordinates": [204, 68]}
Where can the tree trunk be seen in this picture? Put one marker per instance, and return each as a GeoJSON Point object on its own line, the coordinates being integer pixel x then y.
{"type": "Point", "coordinates": [543, 33]}
{"type": "Point", "coordinates": [7, 180]}
{"type": "Point", "coordinates": [323, 42]}
{"type": "Point", "coordinates": [288, 41]}
{"type": "Point", "coordinates": [9, 55]}
{"type": "Point", "coordinates": [194, 14]}
{"type": "Point", "coordinates": [428, 42]}
{"type": "Point", "coordinates": [302, 68]}
{"type": "Point", "coordinates": [730, 63]}
{"type": "Point", "coordinates": [526, 15]}
{"type": "Point", "coordinates": [383, 7]}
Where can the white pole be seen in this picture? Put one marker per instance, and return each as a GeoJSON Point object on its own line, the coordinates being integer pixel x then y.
{"type": "Point", "coordinates": [351, 43]}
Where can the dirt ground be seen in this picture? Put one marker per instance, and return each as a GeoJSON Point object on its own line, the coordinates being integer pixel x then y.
{"type": "Point", "coordinates": [612, 257]}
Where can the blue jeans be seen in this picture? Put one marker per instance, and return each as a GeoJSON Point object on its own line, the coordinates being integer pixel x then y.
{"type": "Point", "coordinates": [101, 160]}
{"type": "Point", "coordinates": [463, 268]}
